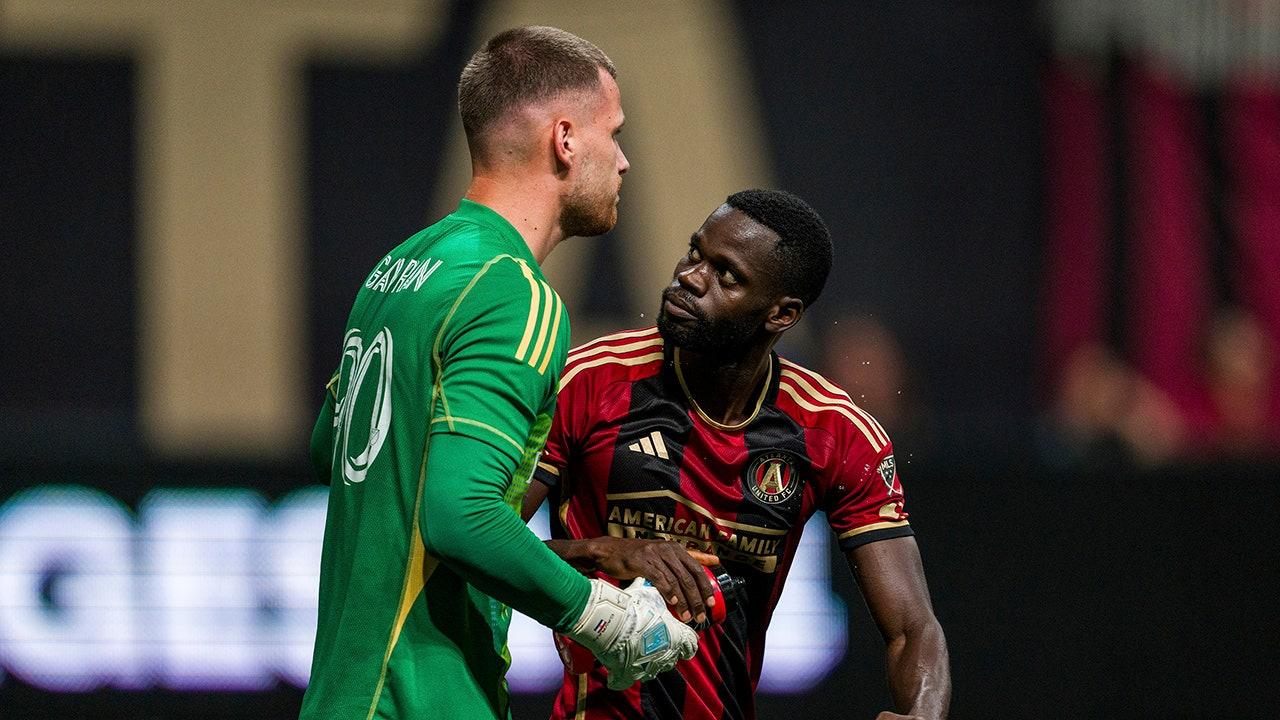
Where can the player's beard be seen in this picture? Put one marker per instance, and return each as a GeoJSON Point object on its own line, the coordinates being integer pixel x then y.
{"type": "Point", "coordinates": [591, 207]}
{"type": "Point", "coordinates": [722, 337]}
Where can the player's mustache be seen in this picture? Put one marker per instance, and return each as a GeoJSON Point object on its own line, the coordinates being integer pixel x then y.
{"type": "Point", "coordinates": [684, 300]}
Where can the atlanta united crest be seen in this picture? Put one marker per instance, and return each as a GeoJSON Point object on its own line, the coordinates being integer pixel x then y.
{"type": "Point", "coordinates": [772, 477]}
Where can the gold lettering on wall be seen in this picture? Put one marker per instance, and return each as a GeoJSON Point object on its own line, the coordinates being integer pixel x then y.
{"type": "Point", "coordinates": [220, 248]}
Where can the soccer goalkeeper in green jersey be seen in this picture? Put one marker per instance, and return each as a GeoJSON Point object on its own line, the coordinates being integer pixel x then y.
{"type": "Point", "coordinates": [442, 401]}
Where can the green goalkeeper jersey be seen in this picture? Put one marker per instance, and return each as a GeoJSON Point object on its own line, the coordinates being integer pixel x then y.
{"type": "Point", "coordinates": [432, 427]}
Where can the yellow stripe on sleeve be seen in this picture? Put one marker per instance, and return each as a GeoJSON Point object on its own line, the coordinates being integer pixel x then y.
{"type": "Point", "coordinates": [548, 300]}
{"type": "Point", "coordinates": [555, 333]}
{"type": "Point", "coordinates": [535, 297]}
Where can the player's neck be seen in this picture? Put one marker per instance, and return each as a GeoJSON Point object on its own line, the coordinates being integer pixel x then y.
{"type": "Point", "coordinates": [726, 390]}
{"type": "Point", "coordinates": [532, 209]}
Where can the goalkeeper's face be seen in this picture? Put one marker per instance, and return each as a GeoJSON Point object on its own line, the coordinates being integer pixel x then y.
{"type": "Point", "coordinates": [590, 206]}
{"type": "Point", "coordinates": [723, 290]}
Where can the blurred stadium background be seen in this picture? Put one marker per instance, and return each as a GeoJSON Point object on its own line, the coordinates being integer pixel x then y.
{"type": "Point", "coordinates": [1057, 284]}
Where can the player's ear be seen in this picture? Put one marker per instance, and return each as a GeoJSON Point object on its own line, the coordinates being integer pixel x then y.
{"type": "Point", "coordinates": [564, 143]}
{"type": "Point", "coordinates": [784, 314]}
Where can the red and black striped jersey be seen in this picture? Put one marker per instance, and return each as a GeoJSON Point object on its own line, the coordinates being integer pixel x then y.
{"type": "Point", "coordinates": [630, 454]}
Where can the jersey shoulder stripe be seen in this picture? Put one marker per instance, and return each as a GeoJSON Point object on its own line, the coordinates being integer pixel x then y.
{"type": "Point", "coordinates": [630, 349]}
{"type": "Point", "coordinates": [535, 301]}
{"type": "Point", "coordinates": [830, 392]}
{"type": "Point", "coordinates": [805, 403]}
{"type": "Point", "coordinates": [557, 313]}
{"type": "Point", "coordinates": [842, 401]}
{"type": "Point", "coordinates": [617, 342]}
{"type": "Point", "coordinates": [542, 325]}
{"type": "Point", "coordinates": [817, 404]}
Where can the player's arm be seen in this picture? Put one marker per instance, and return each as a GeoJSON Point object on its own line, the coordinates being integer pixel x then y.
{"type": "Point", "coordinates": [491, 388]}
{"type": "Point", "coordinates": [321, 448]}
{"type": "Point", "coordinates": [533, 499]}
{"type": "Point", "coordinates": [867, 511]}
{"type": "Point", "coordinates": [468, 527]}
{"type": "Point", "coordinates": [891, 577]}
{"type": "Point", "coordinates": [673, 570]}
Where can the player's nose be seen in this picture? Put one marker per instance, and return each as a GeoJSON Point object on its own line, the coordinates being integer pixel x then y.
{"type": "Point", "coordinates": [693, 279]}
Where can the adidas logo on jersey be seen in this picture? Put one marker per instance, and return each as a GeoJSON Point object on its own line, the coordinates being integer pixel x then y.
{"type": "Point", "coordinates": [651, 445]}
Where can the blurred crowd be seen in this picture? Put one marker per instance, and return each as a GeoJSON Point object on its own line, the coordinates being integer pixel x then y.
{"type": "Point", "coordinates": [1105, 408]}
{"type": "Point", "coordinates": [1162, 266]}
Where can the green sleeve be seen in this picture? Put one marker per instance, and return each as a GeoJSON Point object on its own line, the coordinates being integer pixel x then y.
{"type": "Point", "coordinates": [322, 434]}
{"type": "Point", "coordinates": [499, 354]}
{"type": "Point", "coordinates": [468, 526]}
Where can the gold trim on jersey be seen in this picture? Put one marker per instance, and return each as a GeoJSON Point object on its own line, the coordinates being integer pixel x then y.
{"type": "Point", "coordinates": [535, 298]}
{"type": "Point", "coordinates": [707, 418]}
{"type": "Point", "coordinates": [694, 507]}
{"type": "Point", "coordinates": [564, 514]}
{"type": "Point", "coordinates": [638, 360]}
{"type": "Point", "coordinates": [417, 570]}
{"type": "Point", "coordinates": [544, 303]}
{"type": "Point", "coordinates": [604, 340]}
{"type": "Point", "coordinates": [834, 393]}
{"type": "Point", "coordinates": [555, 332]}
{"type": "Point", "coordinates": [332, 386]}
{"type": "Point", "coordinates": [549, 468]}
{"type": "Point", "coordinates": [437, 363]}
{"type": "Point", "coordinates": [869, 528]}
{"type": "Point", "coordinates": [581, 354]}
{"type": "Point", "coordinates": [451, 419]}
{"type": "Point", "coordinates": [786, 387]}
{"type": "Point", "coordinates": [549, 300]}
{"type": "Point", "coordinates": [581, 702]}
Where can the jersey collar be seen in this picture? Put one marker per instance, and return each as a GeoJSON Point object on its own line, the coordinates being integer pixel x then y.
{"type": "Point", "coordinates": [766, 396]}
{"type": "Point", "coordinates": [472, 211]}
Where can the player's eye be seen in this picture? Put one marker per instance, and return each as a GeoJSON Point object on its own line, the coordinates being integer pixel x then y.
{"type": "Point", "coordinates": [728, 278]}
{"type": "Point", "coordinates": [694, 255]}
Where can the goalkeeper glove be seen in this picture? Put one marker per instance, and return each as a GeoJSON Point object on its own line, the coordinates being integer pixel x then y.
{"type": "Point", "coordinates": [632, 633]}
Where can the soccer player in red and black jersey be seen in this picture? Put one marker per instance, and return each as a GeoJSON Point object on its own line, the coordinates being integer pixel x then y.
{"type": "Point", "coordinates": [697, 431]}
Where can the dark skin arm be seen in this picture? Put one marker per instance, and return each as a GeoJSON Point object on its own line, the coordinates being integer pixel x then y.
{"type": "Point", "coordinates": [891, 577]}
{"type": "Point", "coordinates": [674, 571]}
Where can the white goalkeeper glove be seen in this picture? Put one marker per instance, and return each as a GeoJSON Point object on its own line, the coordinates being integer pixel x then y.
{"type": "Point", "coordinates": [632, 633]}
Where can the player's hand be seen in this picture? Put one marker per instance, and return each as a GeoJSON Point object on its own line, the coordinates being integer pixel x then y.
{"type": "Point", "coordinates": [632, 633]}
{"type": "Point", "coordinates": [674, 571]}
{"type": "Point", "coordinates": [886, 715]}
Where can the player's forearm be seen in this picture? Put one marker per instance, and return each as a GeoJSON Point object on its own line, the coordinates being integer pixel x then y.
{"type": "Point", "coordinates": [583, 555]}
{"type": "Point", "coordinates": [919, 671]}
{"type": "Point", "coordinates": [469, 527]}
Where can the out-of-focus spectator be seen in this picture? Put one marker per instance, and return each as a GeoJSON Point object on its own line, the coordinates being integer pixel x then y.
{"type": "Point", "coordinates": [1163, 179]}
{"type": "Point", "coordinates": [1239, 369]}
{"type": "Point", "coordinates": [1106, 411]}
{"type": "Point", "coordinates": [860, 354]}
